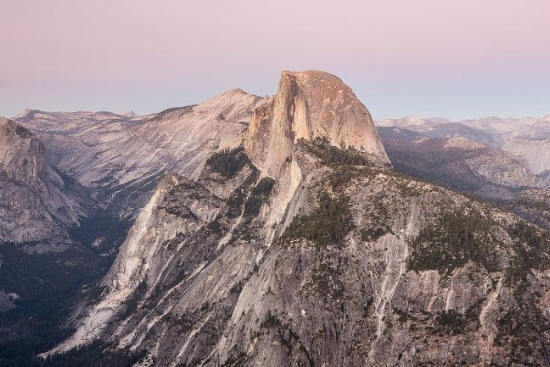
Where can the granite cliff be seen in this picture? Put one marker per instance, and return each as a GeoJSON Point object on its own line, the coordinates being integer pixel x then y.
{"type": "Point", "coordinates": [36, 201]}
{"type": "Point", "coordinates": [303, 247]}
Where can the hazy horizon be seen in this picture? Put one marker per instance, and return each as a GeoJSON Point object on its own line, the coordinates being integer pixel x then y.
{"type": "Point", "coordinates": [121, 112]}
{"type": "Point", "coordinates": [427, 58]}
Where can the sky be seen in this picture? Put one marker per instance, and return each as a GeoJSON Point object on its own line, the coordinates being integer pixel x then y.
{"type": "Point", "coordinates": [454, 58]}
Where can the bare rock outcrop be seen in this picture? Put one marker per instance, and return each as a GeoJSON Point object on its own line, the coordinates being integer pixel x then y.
{"type": "Point", "coordinates": [310, 105]}
{"type": "Point", "coordinates": [535, 151]}
{"type": "Point", "coordinates": [22, 155]}
{"type": "Point", "coordinates": [36, 202]}
{"type": "Point", "coordinates": [304, 248]}
{"type": "Point", "coordinates": [121, 158]}
{"type": "Point", "coordinates": [39, 209]}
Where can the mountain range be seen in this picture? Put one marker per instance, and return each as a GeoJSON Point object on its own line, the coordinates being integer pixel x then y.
{"type": "Point", "coordinates": [522, 137]}
{"type": "Point", "coordinates": [286, 230]}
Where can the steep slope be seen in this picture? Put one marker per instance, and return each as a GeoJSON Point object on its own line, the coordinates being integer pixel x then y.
{"type": "Point", "coordinates": [532, 204]}
{"type": "Point", "coordinates": [38, 208]}
{"type": "Point", "coordinates": [122, 158]}
{"type": "Point", "coordinates": [41, 265]}
{"type": "Point", "coordinates": [534, 151]}
{"type": "Point", "coordinates": [69, 134]}
{"type": "Point", "coordinates": [36, 202]}
{"type": "Point", "coordinates": [460, 164]}
{"type": "Point", "coordinates": [310, 105]}
{"type": "Point", "coordinates": [321, 256]}
{"type": "Point", "coordinates": [525, 139]}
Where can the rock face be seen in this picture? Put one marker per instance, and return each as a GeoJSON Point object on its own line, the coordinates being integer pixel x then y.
{"type": "Point", "coordinates": [310, 105]}
{"type": "Point", "coordinates": [328, 258]}
{"type": "Point", "coordinates": [122, 157]}
{"type": "Point", "coordinates": [40, 262]}
{"type": "Point", "coordinates": [58, 237]}
{"type": "Point", "coordinates": [515, 175]}
{"type": "Point", "coordinates": [36, 202]}
{"type": "Point", "coordinates": [534, 151]}
{"type": "Point", "coordinates": [23, 156]}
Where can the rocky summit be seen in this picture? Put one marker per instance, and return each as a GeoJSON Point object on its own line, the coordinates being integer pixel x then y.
{"type": "Point", "coordinates": [310, 105]}
{"type": "Point", "coordinates": [36, 201]}
{"type": "Point", "coordinates": [299, 245]}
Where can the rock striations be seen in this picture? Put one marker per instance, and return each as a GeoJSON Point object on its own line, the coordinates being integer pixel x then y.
{"type": "Point", "coordinates": [40, 260]}
{"type": "Point", "coordinates": [122, 157]}
{"type": "Point", "coordinates": [304, 248]}
{"type": "Point", "coordinates": [310, 105]}
{"type": "Point", "coordinates": [36, 202]}
{"type": "Point", "coordinates": [23, 156]}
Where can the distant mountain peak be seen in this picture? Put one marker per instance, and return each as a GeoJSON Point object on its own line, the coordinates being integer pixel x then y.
{"type": "Point", "coordinates": [26, 113]}
{"type": "Point", "coordinates": [440, 120]}
{"type": "Point", "coordinates": [22, 155]}
{"type": "Point", "coordinates": [405, 121]}
{"type": "Point", "coordinates": [235, 91]}
{"type": "Point", "coordinates": [130, 114]}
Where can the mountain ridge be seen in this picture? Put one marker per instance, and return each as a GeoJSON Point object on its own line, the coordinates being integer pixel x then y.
{"type": "Point", "coordinates": [123, 162]}
{"type": "Point", "coordinates": [329, 257]}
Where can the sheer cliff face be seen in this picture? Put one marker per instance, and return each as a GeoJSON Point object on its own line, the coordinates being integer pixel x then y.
{"type": "Point", "coordinates": [534, 151]}
{"type": "Point", "coordinates": [40, 261]}
{"type": "Point", "coordinates": [327, 258]}
{"type": "Point", "coordinates": [22, 155]}
{"type": "Point", "coordinates": [310, 105]}
{"type": "Point", "coordinates": [35, 202]}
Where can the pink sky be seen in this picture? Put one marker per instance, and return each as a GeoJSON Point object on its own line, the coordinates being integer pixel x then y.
{"type": "Point", "coordinates": [458, 58]}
